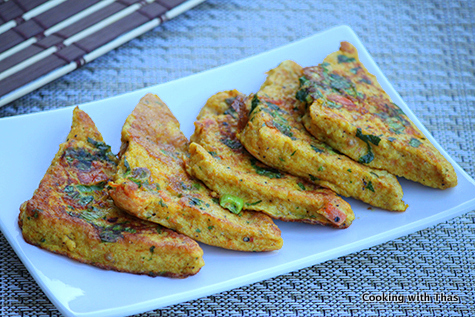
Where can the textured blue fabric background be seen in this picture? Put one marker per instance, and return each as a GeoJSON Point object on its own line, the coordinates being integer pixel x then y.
{"type": "Point", "coordinates": [427, 51]}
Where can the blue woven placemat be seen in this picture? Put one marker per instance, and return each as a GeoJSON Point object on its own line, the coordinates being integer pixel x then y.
{"type": "Point", "coordinates": [425, 48]}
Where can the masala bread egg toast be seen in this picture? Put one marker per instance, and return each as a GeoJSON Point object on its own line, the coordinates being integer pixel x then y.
{"type": "Point", "coordinates": [352, 113]}
{"type": "Point", "coordinates": [275, 135]}
{"type": "Point", "coordinates": [72, 214]}
{"type": "Point", "coordinates": [219, 160]}
{"type": "Point", "coordinates": [152, 184]}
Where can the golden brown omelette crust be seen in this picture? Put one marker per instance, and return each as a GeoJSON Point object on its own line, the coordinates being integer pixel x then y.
{"type": "Point", "coordinates": [275, 135]}
{"type": "Point", "coordinates": [152, 184]}
{"type": "Point", "coordinates": [219, 160]}
{"type": "Point", "coordinates": [72, 214]}
{"type": "Point", "coordinates": [353, 114]}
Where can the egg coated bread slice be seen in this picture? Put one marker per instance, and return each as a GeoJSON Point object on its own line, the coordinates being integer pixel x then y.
{"type": "Point", "coordinates": [219, 160]}
{"type": "Point", "coordinates": [276, 136]}
{"type": "Point", "coordinates": [352, 113]}
{"type": "Point", "coordinates": [71, 213]}
{"type": "Point", "coordinates": [152, 184]}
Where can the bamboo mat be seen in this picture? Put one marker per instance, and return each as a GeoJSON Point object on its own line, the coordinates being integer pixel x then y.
{"type": "Point", "coordinates": [44, 40]}
{"type": "Point", "coordinates": [425, 48]}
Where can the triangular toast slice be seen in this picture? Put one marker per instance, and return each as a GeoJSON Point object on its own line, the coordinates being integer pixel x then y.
{"type": "Point", "coordinates": [219, 160]}
{"type": "Point", "coordinates": [72, 214]}
{"type": "Point", "coordinates": [352, 113]}
{"type": "Point", "coordinates": [275, 135]}
{"type": "Point", "coordinates": [152, 184]}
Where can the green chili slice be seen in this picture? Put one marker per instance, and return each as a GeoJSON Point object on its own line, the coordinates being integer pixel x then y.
{"type": "Point", "coordinates": [232, 203]}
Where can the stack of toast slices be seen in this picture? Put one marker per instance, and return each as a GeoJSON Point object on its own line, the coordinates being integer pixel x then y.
{"type": "Point", "coordinates": [287, 152]}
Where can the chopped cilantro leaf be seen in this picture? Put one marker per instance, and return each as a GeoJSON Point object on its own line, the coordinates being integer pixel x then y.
{"type": "Point", "coordinates": [370, 186]}
{"type": "Point", "coordinates": [232, 144]}
{"type": "Point", "coordinates": [254, 103]}
{"type": "Point", "coordinates": [414, 142]}
{"type": "Point", "coordinates": [313, 178]}
{"type": "Point", "coordinates": [254, 203]}
{"type": "Point", "coordinates": [316, 149]}
{"type": "Point", "coordinates": [367, 158]}
{"type": "Point", "coordinates": [345, 59]}
{"type": "Point", "coordinates": [195, 201]}
{"type": "Point", "coordinates": [269, 172]}
{"type": "Point", "coordinates": [368, 137]}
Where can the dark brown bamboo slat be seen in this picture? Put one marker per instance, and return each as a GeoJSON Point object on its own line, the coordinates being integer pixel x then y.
{"type": "Point", "coordinates": [70, 53]}
{"type": "Point", "coordinates": [19, 57]}
{"type": "Point", "coordinates": [62, 11]}
{"type": "Point", "coordinates": [28, 29]}
{"type": "Point", "coordinates": [9, 39]}
{"type": "Point", "coordinates": [170, 4]}
{"type": "Point", "coordinates": [128, 2]}
{"type": "Point", "coordinates": [120, 27]}
{"type": "Point", "coordinates": [153, 10]}
{"type": "Point", "coordinates": [49, 41]}
{"type": "Point", "coordinates": [91, 19]}
{"type": "Point", "coordinates": [29, 74]}
{"type": "Point", "coordinates": [28, 5]}
{"type": "Point", "coordinates": [30, 51]}
{"type": "Point", "coordinates": [10, 10]}
{"type": "Point", "coordinates": [112, 31]}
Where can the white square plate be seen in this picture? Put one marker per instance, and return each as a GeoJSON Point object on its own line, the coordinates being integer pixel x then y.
{"type": "Point", "coordinates": [30, 142]}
